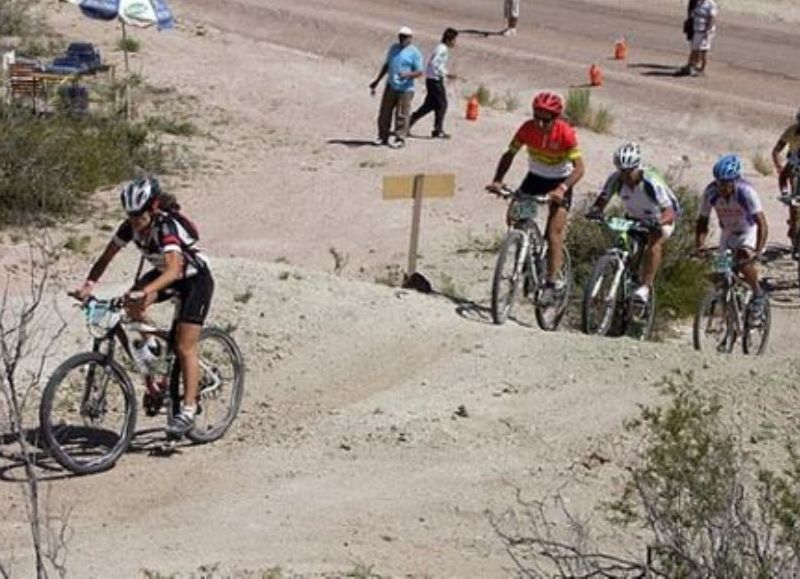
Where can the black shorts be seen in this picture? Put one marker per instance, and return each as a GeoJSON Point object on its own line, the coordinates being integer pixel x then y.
{"type": "Point", "coordinates": [537, 186]}
{"type": "Point", "coordinates": [194, 292]}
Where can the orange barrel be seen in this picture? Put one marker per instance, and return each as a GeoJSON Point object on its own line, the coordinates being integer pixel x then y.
{"type": "Point", "coordinates": [620, 49]}
{"type": "Point", "coordinates": [472, 108]}
{"type": "Point", "coordinates": [595, 75]}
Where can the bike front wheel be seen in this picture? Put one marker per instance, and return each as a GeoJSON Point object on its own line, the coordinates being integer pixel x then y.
{"type": "Point", "coordinates": [549, 315]}
{"type": "Point", "coordinates": [756, 329]}
{"type": "Point", "coordinates": [507, 274]}
{"type": "Point", "coordinates": [221, 385]}
{"type": "Point", "coordinates": [641, 318]}
{"type": "Point", "coordinates": [713, 329]}
{"type": "Point", "coordinates": [88, 413]}
{"type": "Point", "coordinates": [600, 297]}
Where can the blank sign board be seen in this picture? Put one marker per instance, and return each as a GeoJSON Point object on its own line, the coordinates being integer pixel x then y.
{"type": "Point", "coordinates": [402, 186]}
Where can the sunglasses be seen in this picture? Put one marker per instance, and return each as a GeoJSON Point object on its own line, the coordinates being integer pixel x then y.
{"type": "Point", "coordinates": [137, 216]}
{"type": "Point", "coordinates": [544, 119]}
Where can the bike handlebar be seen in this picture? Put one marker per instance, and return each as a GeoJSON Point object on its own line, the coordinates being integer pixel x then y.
{"type": "Point", "coordinates": [507, 192]}
{"type": "Point", "coordinates": [705, 252]}
{"type": "Point", "coordinates": [638, 225]}
{"type": "Point", "coordinates": [113, 304]}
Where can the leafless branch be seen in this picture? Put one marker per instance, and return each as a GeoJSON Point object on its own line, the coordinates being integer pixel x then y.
{"type": "Point", "coordinates": [18, 342]}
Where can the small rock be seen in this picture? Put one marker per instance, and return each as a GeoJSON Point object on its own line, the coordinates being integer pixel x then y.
{"type": "Point", "coordinates": [462, 411]}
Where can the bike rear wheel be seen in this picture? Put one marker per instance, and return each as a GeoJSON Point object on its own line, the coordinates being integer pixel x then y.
{"type": "Point", "coordinates": [600, 298]}
{"type": "Point", "coordinates": [549, 315]}
{"type": "Point", "coordinates": [507, 276]}
{"type": "Point", "coordinates": [88, 413]}
{"type": "Point", "coordinates": [756, 331]}
{"type": "Point", "coordinates": [713, 330]}
{"type": "Point", "coordinates": [221, 385]}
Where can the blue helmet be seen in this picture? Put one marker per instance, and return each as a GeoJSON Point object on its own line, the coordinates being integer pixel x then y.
{"type": "Point", "coordinates": [728, 168]}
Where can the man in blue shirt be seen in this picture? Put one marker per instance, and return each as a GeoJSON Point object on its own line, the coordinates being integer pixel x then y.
{"type": "Point", "coordinates": [403, 64]}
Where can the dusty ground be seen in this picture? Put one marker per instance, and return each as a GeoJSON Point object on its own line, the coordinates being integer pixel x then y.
{"type": "Point", "coordinates": [349, 449]}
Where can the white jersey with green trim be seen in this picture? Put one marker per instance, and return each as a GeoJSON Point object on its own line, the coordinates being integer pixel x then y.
{"type": "Point", "coordinates": [646, 200]}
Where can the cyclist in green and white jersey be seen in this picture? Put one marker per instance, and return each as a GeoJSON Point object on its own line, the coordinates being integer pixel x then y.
{"type": "Point", "coordinates": [646, 198]}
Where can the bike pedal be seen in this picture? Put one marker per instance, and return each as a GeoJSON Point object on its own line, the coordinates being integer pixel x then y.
{"type": "Point", "coordinates": [167, 448]}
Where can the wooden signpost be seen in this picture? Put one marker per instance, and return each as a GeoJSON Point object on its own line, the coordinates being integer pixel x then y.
{"type": "Point", "coordinates": [416, 187]}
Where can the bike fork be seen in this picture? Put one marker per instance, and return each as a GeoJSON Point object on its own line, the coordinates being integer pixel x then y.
{"type": "Point", "coordinates": [519, 266]}
{"type": "Point", "coordinates": [617, 279]}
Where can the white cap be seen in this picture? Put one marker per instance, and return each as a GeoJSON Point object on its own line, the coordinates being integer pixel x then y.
{"type": "Point", "coordinates": [405, 31]}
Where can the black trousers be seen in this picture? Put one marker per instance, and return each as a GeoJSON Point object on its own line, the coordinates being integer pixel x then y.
{"type": "Point", "coordinates": [436, 101]}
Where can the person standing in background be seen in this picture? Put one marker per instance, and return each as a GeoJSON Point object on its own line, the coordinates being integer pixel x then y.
{"type": "Point", "coordinates": [435, 75]}
{"type": "Point", "coordinates": [511, 14]}
{"type": "Point", "coordinates": [403, 65]}
{"type": "Point", "coordinates": [704, 26]}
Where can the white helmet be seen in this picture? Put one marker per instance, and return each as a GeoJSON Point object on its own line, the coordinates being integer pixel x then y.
{"type": "Point", "coordinates": [139, 195]}
{"type": "Point", "coordinates": [628, 156]}
{"type": "Point", "coordinates": [793, 162]}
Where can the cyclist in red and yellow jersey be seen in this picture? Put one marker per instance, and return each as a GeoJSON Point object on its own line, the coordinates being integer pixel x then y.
{"type": "Point", "coordinates": [555, 165]}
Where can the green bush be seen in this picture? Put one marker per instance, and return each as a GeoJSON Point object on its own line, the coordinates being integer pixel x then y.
{"type": "Point", "coordinates": [578, 109]}
{"type": "Point", "coordinates": [16, 18]}
{"type": "Point", "coordinates": [129, 44]}
{"type": "Point", "coordinates": [690, 498]}
{"type": "Point", "coordinates": [681, 282]}
{"type": "Point", "coordinates": [602, 120]}
{"type": "Point", "coordinates": [171, 126]}
{"type": "Point", "coordinates": [48, 165]}
{"type": "Point", "coordinates": [484, 95]}
{"type": "Point", "coordinates": [580, 112]}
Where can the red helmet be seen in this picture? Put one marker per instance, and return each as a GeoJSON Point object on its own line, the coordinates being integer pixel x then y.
{"type": "Point", "coordinates": [550, 102]}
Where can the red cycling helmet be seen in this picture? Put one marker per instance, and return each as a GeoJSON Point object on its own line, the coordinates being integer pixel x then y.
{"type": "Point", "coordinates": [549, 102]}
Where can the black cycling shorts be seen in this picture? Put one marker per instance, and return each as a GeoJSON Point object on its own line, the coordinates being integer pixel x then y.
{"type": "Point", "coordinates": [194, 292]}
{"type": "Point", "coordinates": [537, 186]}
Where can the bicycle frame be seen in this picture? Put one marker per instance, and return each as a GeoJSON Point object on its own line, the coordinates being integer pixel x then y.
{"type": "Point", "coordinates": [527, 210]}
{"type": "Point", "coordinates": [106, 345]}
{"type": "Point", "coordinates": [626, 250]}
{"type": "Point", "coordinates": [735, 293]}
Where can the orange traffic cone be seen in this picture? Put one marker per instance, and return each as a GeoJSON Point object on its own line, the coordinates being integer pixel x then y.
{"type": "Point", "coordinates": [595, 75]}
{"type": "Point", "coordinates": [621, 49]}
{"type": "Point", "coordinates": [472, 108]}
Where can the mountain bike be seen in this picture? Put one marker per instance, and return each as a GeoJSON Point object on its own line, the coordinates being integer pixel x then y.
{"type": "Point", "coordinates": [522, 265]}
{"type": "Point", "coordinates": [793, 202]}
{"type": "Point", "coordinates": [608, 297]}
{"type": "Point", "coordinates": [725, 314]}
{"type": "Point", "coordinates": [87, 414]}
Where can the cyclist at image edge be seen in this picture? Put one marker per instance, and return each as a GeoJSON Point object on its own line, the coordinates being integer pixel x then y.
{"type": "Point", "coordinates": [647, 199]}
{"type": "Point", "coordinates": [790, 138]}
{"type": "Point", "coordinates": [789, 184]}
{"type": "Point", "coordinates": [169, 242]}
{"type": "Point", "coordinates": [741, 219]}
{"type": "Point", "coordinates": [787, 173]}
{"type": "Point", "coordinates": [555, 165]}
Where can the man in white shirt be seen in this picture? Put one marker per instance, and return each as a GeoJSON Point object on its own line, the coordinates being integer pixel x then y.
{"type": "Point", "coordinates": [704, 19]}
{"type": "Point", "coordinates": [511, 12]}
{"type": "Point", "coordinates": [741, 219]}
{"type": "Point", "coordinates": [648, 199]}
{"type": "Point", "coordinates": [435, 74]}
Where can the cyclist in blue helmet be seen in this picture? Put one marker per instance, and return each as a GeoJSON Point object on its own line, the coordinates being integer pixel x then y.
{"type": "Point", "coordinates": [741, 219]}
